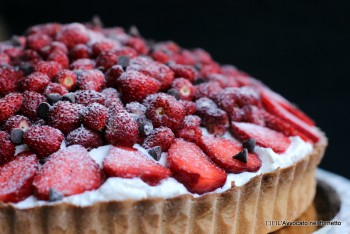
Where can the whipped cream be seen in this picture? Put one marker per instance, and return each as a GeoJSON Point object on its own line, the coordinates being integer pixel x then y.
{"type": "Point", "coordinates": [123, 189]}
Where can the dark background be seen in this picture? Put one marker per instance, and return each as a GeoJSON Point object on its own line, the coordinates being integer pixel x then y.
{"type": "Point", "coordinates": [298, 48]}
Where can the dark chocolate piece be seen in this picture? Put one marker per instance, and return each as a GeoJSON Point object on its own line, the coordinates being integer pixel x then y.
{"type": "Point", "coordinates": [124, 61]}
{"type": "Point", "coordinates": [145, 126]}
{"type": "Point", "coordinates": [70, 97]}
{"type": "Point", "coordinates": [199, 81]}
{"type": "Point", "coordinates": [242, 156]}
{"type": "Point", "coordinates": [44, 110]}
{"type": "Point", "coordinates": [17, 136]}
{"type": "Point", "coordinates": [53, 98]}
{"type": "Point", "coordinates": [250, 145]}
{"type": "Point", "coordinates": [174, 93]}
{"type": "Point", "coordinates": [54, 195]}
{"type": "Point", "coordinates": [155, 152]}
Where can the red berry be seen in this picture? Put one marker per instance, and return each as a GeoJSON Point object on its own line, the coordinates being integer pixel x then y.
{"type": "Point", "coordinates": [37, 41]}
{"type": "Point", "coordinates": [129, 163]}
{"type": "Point", "coordinates": [35, 82]}
{"type": "Point", "coordinates": [43, 140]}
{"type": "Point", "coordinates": [49, 29]}
{"type": "Point", "coordinates": [55, 46]}
{"type": "Point", "coordinates": [105, 45]}
{"type": "Point", "coordinates": [18, 176]}
{"type": "Point", "coordinates": [8, 80]}
{"type": "Point", "coordinates": [69, 171]}
{"type": "Point", "coordinates": [95, 116]}
{"type": "Point", "coordinates": [160, 56]}
{"type": "Point", "coordinates": [190, 166]}
{"type": "Point", "coordinates": [50, 68]}
{"type": "Point", "coordinates": [17, 121]}
{"type": "Point", "coordinates": [190, 132]}
{"type": "Point", "coordinates": [209, 69]}
{"type": "Point", "coordinates": [138, 44]}
{"type": "Point", "coordinates": [162, 137]}
{"type": "Point", "coordinates": [136, 108]}
{"type": "Point", "coordinates": [7, 149]}
{"type": "Point", "coordinates": [164, 110]}
{"type": "Point", "coordinates": [9, 105]}
{"type": "Point", "coordinates": [66, 78]}
{"type": "Point", "coordinates": [223, 80]}
{"type": "Point", "coordinates": [135, 86]}
{"type": "Point", "coordinates": [55, 88]}
{"type": "Point", "coordinates": [190, 107]}
{"type": "Point", "coordinates": [4, 59]}
{"type": "Point", "coordinates": [184, 87]}
{"type": "Point", "coordinates": [208, 89]}
{"type": "Point", "coordinates": [112, 75]}
{"type": "Point", "coordinates": [31, 102]}
{"type": "Point", "coordinates": [107, 59]}
{"type": "Point", "coordinates": [185, 71]}
{"type": "Point", "coordinates": [73, 34]}
{"type": "Point", "coordinates": [202, 56]}
{"type": "Point", "coordinates": [83, 64]}
{"type": "Point", "coordinates": [111, 95]}
{"type": "Point", "coordinates": [87, 97]}
{"type": "Point", "coordinates": [84, 137]}
{"type": "Point", "coordinates": [65, 116]}
{"type": "Point", "coordinates": [248, 113]}
{"type": "Point", "coordinates": [91, 80]}
{"type": "Point", "coordinates": [80, 51]}
{"type": "Point", "coordinates": [59, 57]}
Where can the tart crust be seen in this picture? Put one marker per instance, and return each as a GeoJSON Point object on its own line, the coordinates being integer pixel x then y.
{"type": "Point", "coordinates": [283, 194]}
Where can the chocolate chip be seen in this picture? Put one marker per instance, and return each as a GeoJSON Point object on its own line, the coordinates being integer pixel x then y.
{"type": "Point", "coordinates": [174, 93]}
{"type": "Point", "coordinates": [199, 81]}
{"type": "Point", "coordinates": [198, 66]}
{"type": "Point", "coordinates": [250, 145]}
{"type": "Point", "coordinates": [155, 152]}
{"type": "Point", "coordinates": [96, 21]}
{"type": "Point", "coordinates": [53, 98]}
{"type": "Point", "coordinates": [123, 61]}
{"type": "Point", "coordinates": [54, 195]}
{"type": "Point", "coordinates": [17, 136]}
{"type": "Point", "coordinates": [26, 67]}
{"type": "Point", "coordinates": [145, 126]}
{"type": "Point", "coordinates": [133, 31]}
{"type": "Point", "coordinates": [70, 97]}
{"type": "Point", "coordinates": [42, 161]}
{"type": "Point", "coordinates": [44, 110]}
{"type": "Point", "coordinates": [242, 156]}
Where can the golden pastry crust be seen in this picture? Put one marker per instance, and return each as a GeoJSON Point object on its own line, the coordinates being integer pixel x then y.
{"type": "Point", "coordinates": [283, 194]}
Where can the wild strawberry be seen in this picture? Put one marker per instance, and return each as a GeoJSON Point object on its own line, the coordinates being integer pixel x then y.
{"type": "Point", "coordinates": [135, 86]}
{"type": "Point", "coordinates": [105, 45]}
{"type": "Point", "coordinates": [107, 59]}
{"type": "Point", "coordinates": [17, 121]}
{"type": "Point", "coordinates": [184, 71]}
{"type": "Point", "coordinates": [153, 69]}
{"type": "Point", "coordinates": [77, 173]}
{"type": "Point", "coordinates": [264, 137]}
{"type": "Point", "coordinates": [212, 68]}
{"type": "Point", "coordinates": [91, 80]}
{"type": "Point", "coordinates": [95, 116]}
{"type": "Point", "coordinates": [208, 89]}
{"type": "Point", "coordinates": [190, 107]}
{"type": "Point", "coordinates": [35, 82]}
{"type": "Point", "coordinates": [202, 56]}
{"type": "Point", "coordinates": [162, 137]}
{"type": "Point", "coordinates": [185, 57]}
{"type": "Point", "coordinates": [248, 113]}
{"type": "Point", "coordinates": [222, 152]}
{"type": "Point", "coordinates": [127, 162]}
{"type": "Point", "coordinates": [80, 51]}
{"type": "Point", "coordinates": [84, 137]}
{"type": "Point", "coordinates": [7, 149]}
{"type": "Point", "coordinates": [213, 118]}
{"type": "Point", "coordinates": [136, 108]}
{"type": "Point", "coordinates": [31, 102]}
{"type": "Point", "coordinates": [190, 166]}
{"type": "Point", "coordinates": [54, 47]}
{"type": "Point", "coordinates": [31, 56]}
{"type": "Point", "coordinates": [72, 35]}
{"type": "Point", "coordinates": [184, 88]}
{"type": "Point", "coordinates": [112, 75]}
{"type": "Point", "coordinates": [87, 97]}
{"type": "Point", "coordinates": [164, 110]}
{"type": "Point", "coordinates": [43, 140]}
{"type": "Point", "coordinates": [49, 29]}
{"type": "Point", "coordinates": [9, 105]}
{"type": "Point", "coordinates": [223, 80]}
{"type": "Point", "coordinates": [66, 78]}
{"type": "Point", "coordinates": [160, 56]}
{"type": "Point", "coordinates": [64, 116]}
{"type": "Point", "coordinates": [4, 59]}
{"type": "Point", "coordinates": [111, 95]}
{"type": "Point", "coordinates": [121, 129]}
{"type": "Point", "coordinates": [8, 80]}
{"type": "Point", "coordinates": [37, 41]}
{"type": "Point", "coordinates": [59, 57]}
{"type": "Point", "coordinates": [190, 132]}
{"type": "Point", "coordinates": [83, 64]}
{"type": "Point", "coordinates": [138, 44]}
{"type": "Point", "coordinates": [18, 176]}
{"type": "Point", "coordinates": [50, 68]}
{"type": "Point", "coordinates": [55, 88]}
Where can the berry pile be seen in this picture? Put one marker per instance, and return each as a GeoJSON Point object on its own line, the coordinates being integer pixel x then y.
{"type": "Point", "coordinates": [90, 86]}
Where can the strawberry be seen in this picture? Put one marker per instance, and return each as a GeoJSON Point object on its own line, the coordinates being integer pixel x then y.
{"type": "Point", "coordinates": [95, 117]}
{"type": "Point", "coordinates": [84, 137]}
{"type": "Point", "coordinates": [82, 64]}
{"type": "Point", "coordinates": [16, 178]}
{"type": "Point", "coordinates": [191, 133]}
{"type": "Point", "coordinates": [66, 78]}
{"type": "Point", "coordinates": [208, 89]}
{"type": "Point", "coordinates": [8, 80]}
{"type": "Point", "coordinates": [31, 102]}
{"type": "Point", "coordinates": [223, 80]}
{"type": "Point", "coordinates": [185, 71]}
{"type": "Point", "coordinates": [135, 86]}
{"type": "Point", "coordinates": [111, 95]}
{"type": "Point", "coordinates": [208, 69]}
{"type": "Point", "coordinates": [36, 41]}
{"type": "Point", "coordinates": [65, 116]}
{"type": "Point", "coordinates": [127, 162]}
{"type": "Point", "coordinates": [107, 59]}
{"type": "Point", "coordinates": [121, 129]}
{"type": "Point", "coordinates": [50, 68]}
{"type": "Point", "coordinates": [164, 110]}
{"type": "Point", "coordinates": [4, 59]}
{"type": "Point", "coordinates": [190, 107]}
{"type": "Point", "coordinates": [87, 97]}
{"type": "Point", "coordinates": [222, 152]}
{"type": "Point", "coordinates": [49, 29]}
{"type": "Point", "coordinates": [10, 105]}
{"type": "Point", "coordinates": [202, 56]}
{"type": "Point", "coordinates": [264, 137]}
{"type": "Point", "coordinates": [278, 110]}
{"type": "Point", "coordinates": [54, 46]}
{"type": "Point", "coordinates": [138, 44]}
{"type": "Point", "coordinates": [184, 87]}
{"type": "Point", "coordinates": [190, 166]}
{"type": "Point", "coordinates": [55, 88]}
{"type": "Point", "coordinates": [35, 82]}
{"type": "Point", "coordinates": [43, 140]}
{"type": "Point", "coordinates": [162, 137]}
{"type": "Point", "coordinates": [7, 149]}
{"type": "Point", "coordinates": [136, 108]}
{"type": "Point", "coordinates": [68, 171]}
{"type": "Point", "coordinates": [80, 51]}
{"type": "Point", "coordinates": [104, 45]}
{"type": "Point", "coordinates": [72, 35]}
{"type": "Point", "coordinates": [60, 57]}
{"type": "Point", "coordinates": [17, 121]}
{"type": "Point", "coordinates": [113, 74]}
{"type": "Point", "coordinates": [91, 80]}
{"type": "Point", "coordinates": [248, 113]}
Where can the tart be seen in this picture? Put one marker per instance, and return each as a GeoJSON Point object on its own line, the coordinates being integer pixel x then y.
{"type": "Point", "coordinates": [103, 131]}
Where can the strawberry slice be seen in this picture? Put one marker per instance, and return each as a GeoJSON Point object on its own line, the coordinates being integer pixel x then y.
{"type": "Point", "coordinates": [68, 171]}
{"type": "Point", "coordinates": [128, 162]}
{"type": "Point", "coordinates": [264, 137]}
{"type": "Point", "coordinates": [16, 177]}
{"type": "Point", "coordinates": [222, 150]}
{"type": "Point", "coordinates": [193, 168]}
{"type": "Point", "coordinates": [275, 108]}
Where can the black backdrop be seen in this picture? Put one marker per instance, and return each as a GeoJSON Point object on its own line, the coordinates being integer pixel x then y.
{"type": "Point", "coordinates": [298, 48]}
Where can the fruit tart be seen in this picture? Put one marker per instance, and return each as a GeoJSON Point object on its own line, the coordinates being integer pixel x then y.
{"type": "Point", "coordinates": [104, 131]}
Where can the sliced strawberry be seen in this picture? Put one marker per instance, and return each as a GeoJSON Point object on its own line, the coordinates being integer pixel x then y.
{"type": "Point", "coordinates": [264, 137]}
{"type": "Point", "coordinates": [16, 177]}
{"type": "Point", "coordinates": [127, 162]}
{"type": "Point", "coordinates": [193, 168]}
{"type": "Point", "coordinates": [68, 171]}
{"type": "Point", "coordinates": [222, 150]}
{"type": "Point", "coordinates": [275, 108]}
